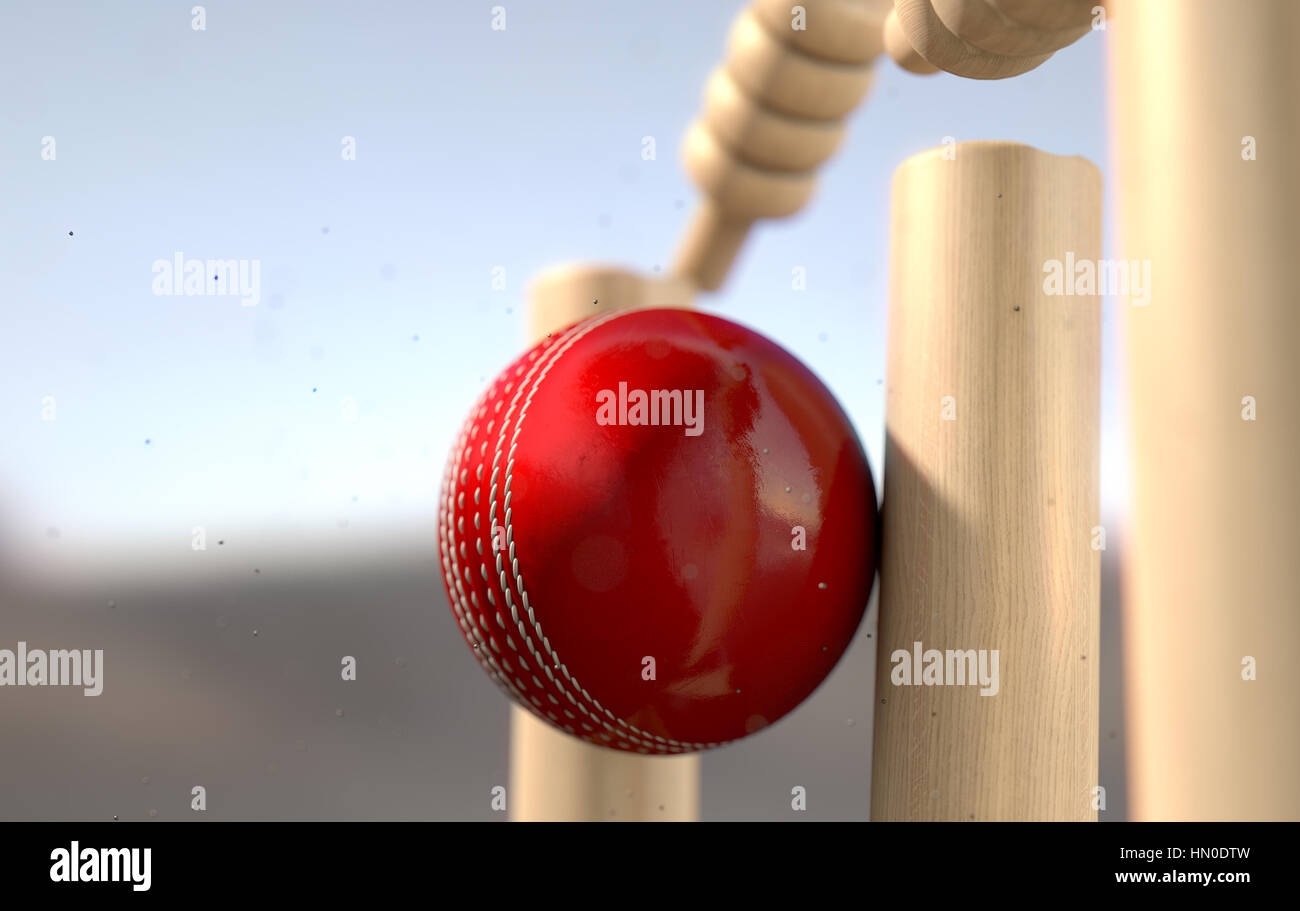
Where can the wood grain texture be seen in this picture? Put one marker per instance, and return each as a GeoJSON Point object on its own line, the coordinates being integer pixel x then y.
{"type": "Point", "coordinates": [1212, 566]}
{"type": "Point", "coordinates": [555, 777]}
{"type": "Point", "coordinates": [982, 39]}
{"type": "Point", "coordinates": [933, 40]}
{"type": "Point", "coordinates": [988, 518]}
{"type": "Point", "coordinates": [982, 24]}
{"type": "Point", "coordinates": [900, 50]}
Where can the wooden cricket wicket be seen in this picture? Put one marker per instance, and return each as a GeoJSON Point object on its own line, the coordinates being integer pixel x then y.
{"type": "Point", "coordinates": [555, 777]}
{"type": "Point", "coordinates": [772, 116]}
{"type": "Point", "coordinates": [990, 489]}
{"type": "Point", "coordinates": [989, 519]}
{"type": "Point", "coordinates": [1213, 578]}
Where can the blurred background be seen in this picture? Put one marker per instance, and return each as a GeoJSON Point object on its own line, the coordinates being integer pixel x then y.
{"type": "Point", "coordinates": [398, 172]}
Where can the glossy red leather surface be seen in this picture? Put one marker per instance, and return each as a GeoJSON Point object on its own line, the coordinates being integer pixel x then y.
{"type": "Point", "coordinates": [624, 542]}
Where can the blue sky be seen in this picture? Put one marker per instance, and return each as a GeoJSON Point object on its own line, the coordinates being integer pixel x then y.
{"type": "Point", "coordinates": [475, 149]}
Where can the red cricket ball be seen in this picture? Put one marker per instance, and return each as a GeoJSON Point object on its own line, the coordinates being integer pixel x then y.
{"type": "Point", "coordinates": [658, 531]}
